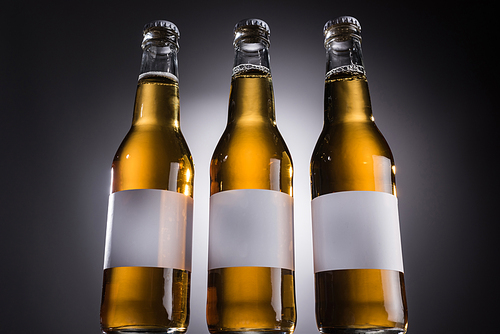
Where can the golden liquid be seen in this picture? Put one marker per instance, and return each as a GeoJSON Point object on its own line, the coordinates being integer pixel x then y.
{"type": "Point", "coordinates": [251, 155]}
{"type": "Point", "coordinates": [344, 159]}
{"type": "Point", "coordinates": [160, 305]}
{"type": "Point", "coordinates": [251, 299]}
{"type": "Point", "coordinates": [154, 143]}
{"type": "Point", "coordinates": [153, 155]}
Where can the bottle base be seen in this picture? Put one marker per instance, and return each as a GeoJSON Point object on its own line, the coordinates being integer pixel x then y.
{"type": "Point", "coordinates": [362, 331]}
{"type": "Point", "coordinates": [252, 332]}
{"type": "Point", "coordinates": [144, 331]}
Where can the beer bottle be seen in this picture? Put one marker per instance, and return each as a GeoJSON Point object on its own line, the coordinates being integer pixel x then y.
{"type": "Point", "coordinates": [147, 264]}
{"type": "Point", "coordinates": [251, 259]}
{"type": "Point", "coordinates": [359, 282]}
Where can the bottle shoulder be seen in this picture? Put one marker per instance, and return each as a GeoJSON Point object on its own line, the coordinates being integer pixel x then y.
{"type": "Point", "coordinates": [148, 156]}
{"type": "Point", "coordinates": [251, 158]}
{"type": "Point", "coordinates": [354, 137]}
{"type": "Point", "coordinates": [351, 157]}
{"type": "Point", "coordinates": [156, 138]}
{"type": "Point", "coordinates": [262, 138]}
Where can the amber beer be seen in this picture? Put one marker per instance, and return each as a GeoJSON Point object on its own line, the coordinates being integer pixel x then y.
{"type": "Point", "coordinates": [359, 284]}
{"type": "Point", "coordinates": [146, 286]}
{"type": "Point", "coordinates": [251, 173]}
{"type": "Point", "coordinates": [135, 296]}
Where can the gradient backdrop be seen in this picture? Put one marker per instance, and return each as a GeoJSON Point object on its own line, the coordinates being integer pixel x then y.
{"type": "Point", "coordinates": [69, 72]}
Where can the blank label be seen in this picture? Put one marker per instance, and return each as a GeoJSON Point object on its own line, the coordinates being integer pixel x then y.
{"type": "Point", "coordinates": [356, 230]}
{"type": "Point", "coordinates": [149, 228]}
{"type": "Point", "coordinates": [251, 227]}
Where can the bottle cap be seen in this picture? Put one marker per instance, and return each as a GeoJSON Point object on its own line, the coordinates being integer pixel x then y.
{"type": "Point", "coordinates": [161, 24]}
{"type": "Point", "coordinates": [252, 28]}
{"type": "Point", "coordinates": [343, 21]}
{"type": "Point", "coordinates": [161, 31]}
{"type": "Point", "coordinates": [253, 22]}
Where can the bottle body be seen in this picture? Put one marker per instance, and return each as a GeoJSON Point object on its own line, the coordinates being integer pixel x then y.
{"type": "Point", "coordinates": [147, 261]}
{"type": "Point", "coordinates": [359, 284]}
{"type": "Point", "coordinates": [153, 156]}
{"type": "Point", "coordinates": [251, 270]}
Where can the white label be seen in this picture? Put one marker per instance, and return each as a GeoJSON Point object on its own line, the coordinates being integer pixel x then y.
{"type": "Point", "coordinates": [149, 228]}
{"type": "Point", "coordinates": [251, 227]}
{"type": "Point", "coordinates": [356, 230]}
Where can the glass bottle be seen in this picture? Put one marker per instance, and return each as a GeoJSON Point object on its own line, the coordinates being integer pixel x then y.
{"type": "Point", "coordinates": [359, 279]}
{"type": "Point", "coordinates": [147, 264]}
{"type": "Point", "coordinates": [251, 262]}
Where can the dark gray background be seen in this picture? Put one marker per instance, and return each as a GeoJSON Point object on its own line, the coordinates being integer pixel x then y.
{"type": "Point", "coordinates": [69, 72]}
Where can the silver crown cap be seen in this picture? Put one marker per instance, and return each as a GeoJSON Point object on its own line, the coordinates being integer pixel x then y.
{"type": "Point", "coordinates": [342, 20]}
{"type": "Point", "coordinates": [162, 24]}
{"type": "Point", "coordinates": [253, 22]}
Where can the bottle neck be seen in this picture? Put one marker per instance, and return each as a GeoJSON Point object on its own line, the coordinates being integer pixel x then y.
{"type": "Point", "coordinates": [252, 98]}
{"type": "Point", "coordinates": [251, 53]}
{"type": "Point", "coordinates": [157, 102]}
{"type": "Point", "coordinates": [347, 98]}
{"type": "Point", "coordinates": [157, 97]}
{"type": "Point", "coordinates": [159, 57]}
